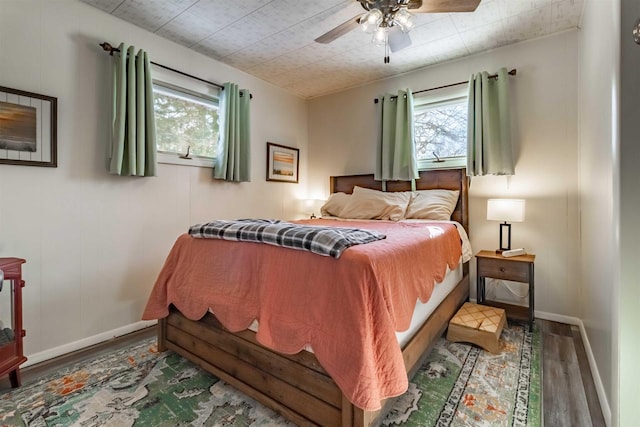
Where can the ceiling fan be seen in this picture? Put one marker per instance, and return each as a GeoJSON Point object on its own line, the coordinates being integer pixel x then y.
{"type": "Point", "coordinates": [391, 20]}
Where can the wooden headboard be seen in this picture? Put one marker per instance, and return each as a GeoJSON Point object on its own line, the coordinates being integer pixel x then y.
{"type": "Point", "coordinates": [447, 179]}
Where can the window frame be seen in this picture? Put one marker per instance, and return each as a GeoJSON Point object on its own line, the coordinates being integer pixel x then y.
{"type": "Point", "coordinates": [441, 97]}
{"type": "Point", "coordinates": [168, 157]}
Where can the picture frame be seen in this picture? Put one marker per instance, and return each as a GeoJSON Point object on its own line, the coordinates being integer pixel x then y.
{"type": "Point", "coordinates": [283, 163]}
{"type": "Point", "coordinates": [28, 128]}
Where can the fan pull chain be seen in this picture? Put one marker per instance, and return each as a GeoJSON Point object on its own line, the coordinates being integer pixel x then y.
{"type": "Point", "coordinates": [386, 49]}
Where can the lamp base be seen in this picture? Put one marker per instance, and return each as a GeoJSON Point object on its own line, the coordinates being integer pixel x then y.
{"type": "Point", "coordinates": [505, 246]}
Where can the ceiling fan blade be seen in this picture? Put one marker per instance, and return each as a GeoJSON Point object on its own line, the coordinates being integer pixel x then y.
{"type": "Point", "coordinates": [339, 31]}
{"type": "Point", "coordinates": [443, 6]}
{"type": "Point", "coordinates": [398, 40]}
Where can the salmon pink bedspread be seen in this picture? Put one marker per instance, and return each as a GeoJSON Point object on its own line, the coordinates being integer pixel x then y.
{"type": "Point", "coordinates": [347, 309]}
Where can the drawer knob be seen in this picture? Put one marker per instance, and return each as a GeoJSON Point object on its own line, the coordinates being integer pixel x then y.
{"type": "Point", "coordinates": [502, 269]}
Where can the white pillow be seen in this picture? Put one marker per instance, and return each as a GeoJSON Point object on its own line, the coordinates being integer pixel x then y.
{"type": "Point", "coordinates": [432, 204]}
{"type": "Point", "coordinates": [373, 204]}
{"type": "Point", "coordinates": [334, 205]}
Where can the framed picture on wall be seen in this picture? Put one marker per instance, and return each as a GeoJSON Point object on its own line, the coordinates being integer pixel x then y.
{"type": "Point", "coordinates": [282, 163]}
{"type": "Point", "coordinates": [28, 128]}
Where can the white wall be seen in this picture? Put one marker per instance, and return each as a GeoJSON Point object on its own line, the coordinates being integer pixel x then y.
{"type": "Point", "coordinates": [342, 140]}
{"type": "Point", "coordinates": [627, 313]}
{"type": "Point", "coordinates": [94, 243]}
{"type": "Point", "coordinates": [598, 180]}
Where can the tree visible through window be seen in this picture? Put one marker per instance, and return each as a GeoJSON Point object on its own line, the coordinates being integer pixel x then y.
{"type": "Point", "coordinates": [185, 120]}
{"type": "Point", "coordinates": [441, 130]}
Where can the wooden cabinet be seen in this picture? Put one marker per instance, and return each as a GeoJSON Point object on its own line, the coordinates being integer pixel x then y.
{"type": "Point", "coordinates": [11, 332]}
{"type": "Point", "coordinates": [516, 269]}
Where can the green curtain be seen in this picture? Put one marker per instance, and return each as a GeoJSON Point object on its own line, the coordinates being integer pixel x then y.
{"type": "Point", "coordinates": [396, 152]}
{"type": "Point", "coordinates": [133, 145]}
{"type": "Point", "coordinates": [233, 160]}
{"type": "Point", "coordinates": [489, 126]}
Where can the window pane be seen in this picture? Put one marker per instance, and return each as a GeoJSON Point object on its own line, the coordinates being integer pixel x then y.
{"type": "Point", "coordinates": [182, 122]}
{"type": "Point", "coordinates": [441, 129]}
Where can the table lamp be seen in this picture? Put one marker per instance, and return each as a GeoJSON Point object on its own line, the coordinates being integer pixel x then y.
{"type": "Point", "coordinates": [505, 210]}
{"type": "Point", "coordinates": [310, 206]}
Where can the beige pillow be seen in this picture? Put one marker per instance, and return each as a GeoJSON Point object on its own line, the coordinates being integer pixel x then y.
{"type": "Point", "coordinates": [374, 204]}
{"type": "Point", "coordinates": [432, 204]}
{"type": "Point", "coordinates": [334, 205]}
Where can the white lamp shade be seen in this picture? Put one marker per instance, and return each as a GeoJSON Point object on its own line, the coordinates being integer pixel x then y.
{"type": "Point", "coordinates": [508, 210]}
{"type": "Point", "coordinates": [404, 19]}
{"type": "Point", "coordinates": [380, 36]}
{"type": "Point", "coordinates": [369, 21]}
{"type": "Point", "coordinates": [310, 206]}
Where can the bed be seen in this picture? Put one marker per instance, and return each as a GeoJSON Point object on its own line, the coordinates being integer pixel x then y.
{"type": "Point", "coordinates": [297, 385]}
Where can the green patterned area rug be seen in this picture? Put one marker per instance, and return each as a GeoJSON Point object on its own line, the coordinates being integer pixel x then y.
{"type": "Point", "coordinates": [459, 385]}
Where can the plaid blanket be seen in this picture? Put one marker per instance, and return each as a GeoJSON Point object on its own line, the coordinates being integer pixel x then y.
{"type": "Point", "coordinates": [326, 241]}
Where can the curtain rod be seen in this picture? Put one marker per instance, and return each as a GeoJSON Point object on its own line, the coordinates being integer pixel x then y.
{"type": "Point", "coordinates": [492, 76]}
{"type": "Point", "coordinates": [107, 47]}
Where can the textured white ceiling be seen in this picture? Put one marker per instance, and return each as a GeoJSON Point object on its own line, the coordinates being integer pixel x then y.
{"type": "Point", "coordinates": [274, 39]}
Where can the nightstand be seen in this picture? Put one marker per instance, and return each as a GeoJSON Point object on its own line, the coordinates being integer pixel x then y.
{"type": "Point", "coordinates": [516, 269]}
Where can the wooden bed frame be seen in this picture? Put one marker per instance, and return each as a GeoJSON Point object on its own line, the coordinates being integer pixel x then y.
{"type": "Point", "coordinates": [296, 386]}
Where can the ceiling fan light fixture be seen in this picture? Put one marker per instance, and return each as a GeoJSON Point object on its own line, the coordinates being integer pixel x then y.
{"type": "Point", "coordinates": [380, 36]}
{"type": "Point", "coordinates": [390, 21]}
{"type": "Point", "coordinates": [370, 21]}
{"type": "Point", "coordinates": [404, 19]}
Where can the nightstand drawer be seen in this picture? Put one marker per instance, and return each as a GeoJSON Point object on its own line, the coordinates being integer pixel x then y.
{"type": "Point", "coordinates": [498, 269]}
{"type": "Point", "coordinates": [518, 269]}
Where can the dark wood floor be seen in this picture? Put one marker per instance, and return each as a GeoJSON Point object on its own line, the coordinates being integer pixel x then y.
{"type": "Point", "coordinates": [568, 398]}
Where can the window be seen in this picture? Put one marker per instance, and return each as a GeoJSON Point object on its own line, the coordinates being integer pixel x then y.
{"type": "Point", "coordinates": [440, 128]}
{"type": "Point", "coordinates": [185, 120]}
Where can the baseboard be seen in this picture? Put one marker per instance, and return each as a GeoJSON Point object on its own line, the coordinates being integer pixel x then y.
{"type": "Point", "coordinates": [560, 318]}
{"type": "Point", "coordinates": [42, 356]}
{"type": "Point", "coordinates": [602, 396]}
